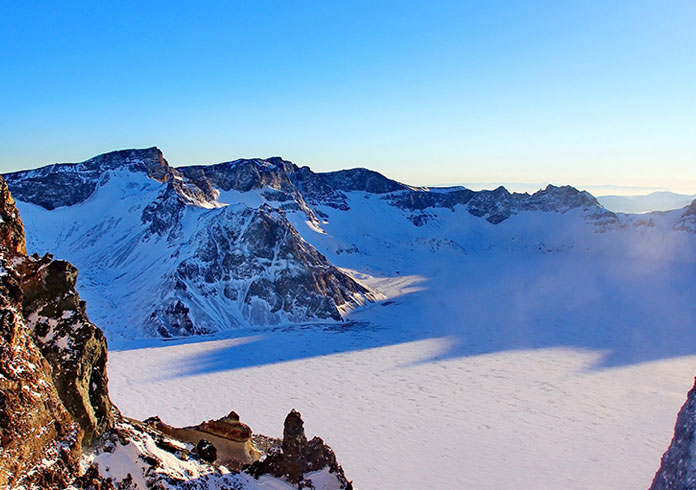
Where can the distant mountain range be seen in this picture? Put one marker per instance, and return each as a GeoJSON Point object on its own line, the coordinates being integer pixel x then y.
{"type": "Point", "coordinates": [200, 249]}
{"type": "Point", "coordinates": [616, 198]}
{"type": "Point", "coordinates": [655, 201]}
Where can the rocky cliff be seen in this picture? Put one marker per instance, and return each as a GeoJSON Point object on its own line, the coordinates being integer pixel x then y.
{"type": "Point", "coordinates": [39, 439]}
{"type": "Point", "coordinates": [678, 467]}
{"type": "Point", "coordinates": [72, 345]}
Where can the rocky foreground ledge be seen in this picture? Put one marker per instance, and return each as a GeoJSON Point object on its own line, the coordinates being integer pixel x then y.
{"type": "Point", "coordinates": [59, 429]}
{"type": "Point", "coordinates": [154, 455]}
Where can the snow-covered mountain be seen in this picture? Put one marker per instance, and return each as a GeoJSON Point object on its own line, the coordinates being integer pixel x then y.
{"type": "Point", "coordinates": [187, 255]}
{"type": "Point", "coordinates": [260, 242]}
{"type": "Point", "coordinates": [508, 328]}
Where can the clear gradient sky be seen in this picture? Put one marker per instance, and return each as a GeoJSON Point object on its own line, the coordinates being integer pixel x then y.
{"type": "Point", "coordinates": [577, 92]}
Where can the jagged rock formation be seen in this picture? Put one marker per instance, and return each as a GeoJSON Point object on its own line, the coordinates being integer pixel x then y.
{"type": "Point", "coordinates": [150, 456]}
{"type": "Point", "coordinates": [297, 457]}
{"type": "Point", "coordinates": [254, 257]}
{"type": "Point", "coordinates": [12, 241]}
{"type": "Point", "coordinates": [498, 205]}
{"type": "Point", "coordinates": [283, 181]}
{"type": "Point", "coordinates": [39, 441]}
{"type": "Point", "coordinates": [678, 467]}
{"type": "Point", "coordinates": [73, 346]}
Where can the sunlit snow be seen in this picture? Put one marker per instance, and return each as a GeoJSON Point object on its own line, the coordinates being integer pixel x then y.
{"type": "Point", "coordinates": [546, 351]}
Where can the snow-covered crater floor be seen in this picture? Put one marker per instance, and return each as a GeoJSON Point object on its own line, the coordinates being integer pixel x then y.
{"type": "Point", "coordinates": [532, 371]}
{"type": "Point", "coordinates": [552, 350]}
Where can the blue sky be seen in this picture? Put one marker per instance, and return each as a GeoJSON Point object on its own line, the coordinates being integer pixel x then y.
{"type": "Point", "coordinates": [584, 93]}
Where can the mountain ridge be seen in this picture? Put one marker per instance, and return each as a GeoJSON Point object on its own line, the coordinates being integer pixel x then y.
{"type": "Point", "coordinates": [300, 183]}
{"type": "Point", "coordinates": [254, 241]}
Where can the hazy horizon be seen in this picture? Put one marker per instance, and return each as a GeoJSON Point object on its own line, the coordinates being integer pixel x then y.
{"type": "Point", "coordinates": [589, 93]}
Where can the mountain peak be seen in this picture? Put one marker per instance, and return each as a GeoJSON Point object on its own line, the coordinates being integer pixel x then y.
{"type": "Point", "coordinates": [151, 160]}
{"type": "Point", "coordinates": [65, 184]}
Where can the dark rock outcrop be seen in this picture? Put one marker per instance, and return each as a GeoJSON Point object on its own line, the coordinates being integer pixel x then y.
{"type": "Point", "coordinates": [39, 440]}
{"type": "Point", "coordinates": [206, 450]}
{"type": "Point", "coordinates": [231, 264]}
{"type": "Point", "coordinates": [73, 346]}
{"type": "Point", "coordinates": [361, 179]}
{"type": "Point", "coordinates": [496, 205]}
{"type": "Point", "coordinates": [296, 457]}
{"type": "Point", "coordinates": [163, 459]}
{"type": "Point", "coordinates": [678, 467]}
{"type": "Point", "coordinates": [687, 222]}
{"type": "Point", "coordinates": [12, 241]}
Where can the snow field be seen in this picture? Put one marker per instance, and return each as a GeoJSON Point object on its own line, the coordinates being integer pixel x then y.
{"type": "Point", "coordinates": [531, 419]}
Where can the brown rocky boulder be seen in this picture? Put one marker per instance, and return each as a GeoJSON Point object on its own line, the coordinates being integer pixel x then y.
{"type": "Point", "coordinates": [231, 439]}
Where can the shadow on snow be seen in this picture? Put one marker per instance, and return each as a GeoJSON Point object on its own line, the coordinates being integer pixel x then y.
{"type": "Point", "coordinates": [629, 311]}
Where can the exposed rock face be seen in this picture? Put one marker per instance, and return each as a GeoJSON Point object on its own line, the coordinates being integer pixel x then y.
{"type": "Point", "coordinates": [678, 467]}
{"type": "Point", "coordinates": [39, 441]}
{"type": "Point", "coordinates": [297, 457]}
{"type": "Point", "coordinates": [361, 179]}
{"type": "Point", "coordinates": [136, 453]}
{"type": "Point", "coordinates": [228, 438]}
{"type": "Point", "coordinates": [73, 346]}
{"type": "Point", "coordinates": [690, 210]}
{"type": "Point", "coordinates": [688, 219]}
{"type": "Point", "coordinates": [11, 227]}
{"type": "Point", "coordinates": [498, 205]}
{"type": "Point", "coordinates": [66, 184]}
{"type": "Point", "coordinates": [255, 259]}
{"type": "Point", "coordinates": [243, 175]}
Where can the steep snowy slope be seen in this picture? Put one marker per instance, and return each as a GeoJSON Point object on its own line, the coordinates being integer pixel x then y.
{"type": "Point", "coordinates": [182, 261]}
